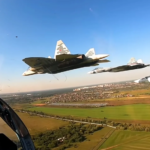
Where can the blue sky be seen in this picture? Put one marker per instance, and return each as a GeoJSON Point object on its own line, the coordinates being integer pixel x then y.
{"type": "Point", "coordinates": [120, 28]}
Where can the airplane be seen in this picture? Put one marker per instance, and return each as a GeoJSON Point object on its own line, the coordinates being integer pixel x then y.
{"type": "Point", "coordinates": [133, 64]}
{"type": "Point", "coordinates": [142, 80]}
{"type": "Point", "coordinates": [63, 61]}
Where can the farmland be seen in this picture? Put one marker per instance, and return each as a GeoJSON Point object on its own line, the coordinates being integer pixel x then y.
{"type": "Point", "coordinates": [37, 124]}
{"type": "Point", "coordinates": [92, 140]}
{"type": "Point", "coordinates": [34, 124]}
{"type": "Point", "coordinates": [126, 140]}
{"type": "Point", "coordinates": [126, 112]}
{"type": "Point", "coordinates": [130, 108]}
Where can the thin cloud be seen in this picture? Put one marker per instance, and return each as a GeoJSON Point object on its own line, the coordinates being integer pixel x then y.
{"type": "Point", "coordinates": [90, 9]}
{"type": "Point", "coordinates": [93, 12]}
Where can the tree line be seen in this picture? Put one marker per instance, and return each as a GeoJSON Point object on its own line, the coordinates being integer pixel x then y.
{"type": "Point", "coordinates": [64, 137]}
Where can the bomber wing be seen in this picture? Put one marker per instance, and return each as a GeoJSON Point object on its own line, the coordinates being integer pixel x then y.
{"type": "Point", "coordinates": [65, 57]}
{"type": "Point", "coordinates": [36, 62]}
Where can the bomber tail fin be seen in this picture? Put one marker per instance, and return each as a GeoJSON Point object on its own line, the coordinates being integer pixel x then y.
{"type": "Point", "coordinates": [61, 48]}
{"type": "Point", "coordinates": [90, 52]}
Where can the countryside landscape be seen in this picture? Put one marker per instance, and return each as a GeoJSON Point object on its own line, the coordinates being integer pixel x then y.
{"type": "Point", "coordinates": [77, 73]}
{"type": "Point", "coordinates": [110, 116]}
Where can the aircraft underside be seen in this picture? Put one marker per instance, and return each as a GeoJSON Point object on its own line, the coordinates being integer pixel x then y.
{"type": "Point", "coordinates": [126, 68]}
{"type": "Point", "coordinates": [72, 67]}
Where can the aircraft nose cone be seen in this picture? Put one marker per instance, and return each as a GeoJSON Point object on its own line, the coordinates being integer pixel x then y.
{"type": "Point", "coordinates": [90, 72]}
{"type": "Point", "coordinates": [24, 74]}
{"type": "Point", "coordinates": [136, 81]}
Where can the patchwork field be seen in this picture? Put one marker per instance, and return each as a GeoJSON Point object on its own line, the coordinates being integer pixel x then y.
{"type": "Point", "coordinates": [126, 109]}
{"type": "Point", "coordinates": [125, 140]}
{"type": "Point", "coordinates": [126, 112]}
{"type": "Point", "coordinates": [36, 124]}
{"type": "Point", "coordinates": [92, 140]}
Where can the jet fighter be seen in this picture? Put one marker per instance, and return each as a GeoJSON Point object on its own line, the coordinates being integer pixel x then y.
{"type": "Point", "coordinates": [142, 80]}
{"type": "Point", "coordinates": [133, 64]}
{"type": "Point", "coordinates": [63, 61]}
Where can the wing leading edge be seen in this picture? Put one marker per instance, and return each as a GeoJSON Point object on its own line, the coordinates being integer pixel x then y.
{"type": "Point", "coordinates": [35, 62]}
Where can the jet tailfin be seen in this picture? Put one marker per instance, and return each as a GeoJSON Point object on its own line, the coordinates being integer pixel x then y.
{"type": "Point", "coordinates": [61, 48]}
{"type": "Point", "coordinates": [90, 52]}
{"type": "Point", "coordinates": [132, 61]}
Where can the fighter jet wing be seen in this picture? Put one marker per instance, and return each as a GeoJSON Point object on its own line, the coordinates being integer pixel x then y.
{"type": "Point", "coordinates": [65, 57]}
{"type": "Point", "coordinates": [35, 62]}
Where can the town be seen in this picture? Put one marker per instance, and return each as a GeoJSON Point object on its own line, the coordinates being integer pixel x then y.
{"type": "Point", "coordinates": [89, 93]}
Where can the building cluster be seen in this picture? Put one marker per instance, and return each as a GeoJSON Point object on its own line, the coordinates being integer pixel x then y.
{"type": "Point", "coordinates": [93, 93]}
{"type": "Point", "coordinates": [86, 94]}
{"type": "Point", "coordinates": [109, 86]}
{"type": "Point", "coordinates": [80, 104]}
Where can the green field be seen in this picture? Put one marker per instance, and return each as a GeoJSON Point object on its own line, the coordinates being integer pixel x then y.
{"type": "Point", "coordinates": [125, 140]}
{"type": "Point", "coordinates": [36, 124]}
{"type": "Point", "coordinates": [126, 112]}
